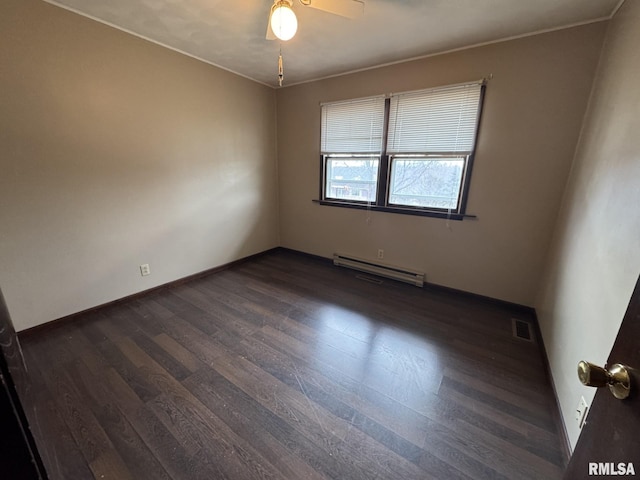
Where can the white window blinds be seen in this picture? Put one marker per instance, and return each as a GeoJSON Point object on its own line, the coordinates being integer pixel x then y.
{"type": "Point", "coordinates": [442, 120]}
{"type": "Point", "coordinates": [353, 127]}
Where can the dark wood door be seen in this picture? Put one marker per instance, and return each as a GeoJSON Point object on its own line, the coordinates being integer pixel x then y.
{"type": "Point", "coordinates": [611, 434]}
{"type": "Point", "coordinates": [19, 457]}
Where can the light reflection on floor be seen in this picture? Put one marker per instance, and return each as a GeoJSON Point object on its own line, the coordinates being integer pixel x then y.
{"type": "Point", "coordinates": [383, 357]}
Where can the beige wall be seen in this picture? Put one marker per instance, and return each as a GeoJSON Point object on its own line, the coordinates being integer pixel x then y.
{"type": "Point", "coordinates": [532, 115]}
{"type": "Point", "coordinates": [117, 152]}
{"type": "Point", "coordinates": [595, 259]}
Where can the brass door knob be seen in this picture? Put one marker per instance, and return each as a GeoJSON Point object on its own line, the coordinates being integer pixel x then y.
{"type": "Point", "coordinates": [616, 378]}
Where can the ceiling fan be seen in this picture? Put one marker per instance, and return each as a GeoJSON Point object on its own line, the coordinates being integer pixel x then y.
{"type": "Point", "coordinates": [283, 22]}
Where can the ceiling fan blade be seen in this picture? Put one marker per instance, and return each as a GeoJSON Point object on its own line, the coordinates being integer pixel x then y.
{"type": "Point", "coordinates": [344, 8]}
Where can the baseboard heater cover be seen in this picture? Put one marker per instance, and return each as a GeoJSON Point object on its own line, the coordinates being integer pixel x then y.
{"type": "Point", "coordinates": [389, 271]}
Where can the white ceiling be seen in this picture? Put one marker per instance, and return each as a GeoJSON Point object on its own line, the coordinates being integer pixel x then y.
{"type": "Point", "coordinates": [231, 33]}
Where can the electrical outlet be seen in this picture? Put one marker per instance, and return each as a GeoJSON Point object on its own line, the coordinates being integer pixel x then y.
{"type": "Point", "coordinates": [380, 253]}
{"type": "Point", "coordinates": [581, 412]}
{"type": "Point", "coordinates": [145, 270]}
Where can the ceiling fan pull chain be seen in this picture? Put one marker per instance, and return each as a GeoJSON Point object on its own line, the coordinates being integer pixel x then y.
{"type": "Point", "coordinates": [280, 69]}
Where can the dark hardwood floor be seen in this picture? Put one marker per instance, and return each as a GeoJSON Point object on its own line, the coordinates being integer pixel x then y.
{"type": "Point", "coordinates": [285, 367]}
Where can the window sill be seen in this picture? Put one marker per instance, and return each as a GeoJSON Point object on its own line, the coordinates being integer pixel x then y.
{"type": "Point", "coordinates": [398, 210]}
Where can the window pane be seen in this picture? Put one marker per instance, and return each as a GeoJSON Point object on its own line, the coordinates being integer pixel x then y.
{"type": "Point", "coordinates": [352, 179]}
{"type": "Point", "coordinates": [431, 183]}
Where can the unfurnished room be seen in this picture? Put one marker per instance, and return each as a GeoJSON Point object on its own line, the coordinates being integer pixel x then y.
{"type": "Point", "coordinates": [319, 239]}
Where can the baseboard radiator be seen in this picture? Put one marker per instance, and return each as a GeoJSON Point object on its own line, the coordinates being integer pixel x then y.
{"type": "Point", "coordinates": [396, 273]}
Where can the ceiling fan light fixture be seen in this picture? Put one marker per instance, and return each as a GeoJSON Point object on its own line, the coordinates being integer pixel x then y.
{"type": "Point", "coordinates": [283, 20]}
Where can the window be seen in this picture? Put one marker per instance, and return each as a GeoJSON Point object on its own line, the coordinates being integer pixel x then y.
{"type": "Point", "coordinates": [406, 153]}
{"type": "Point", "coordinates": [352, 142]}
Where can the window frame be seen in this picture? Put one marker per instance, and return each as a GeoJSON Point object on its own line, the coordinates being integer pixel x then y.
{"type": "Point", "coordinates": [382, 203]}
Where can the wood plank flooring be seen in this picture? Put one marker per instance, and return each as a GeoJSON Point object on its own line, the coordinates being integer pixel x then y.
{"type": "Point", "coordinates": [285, 367]}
